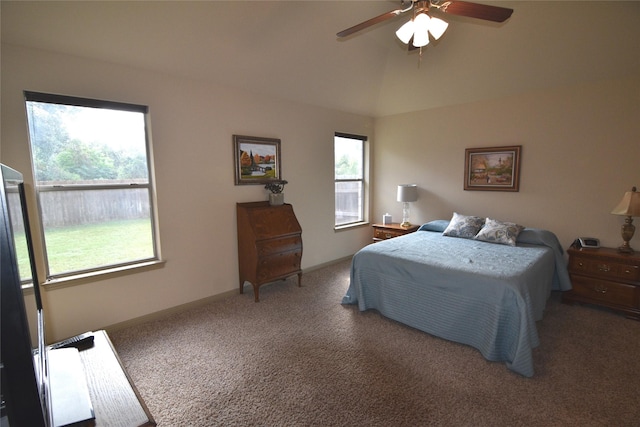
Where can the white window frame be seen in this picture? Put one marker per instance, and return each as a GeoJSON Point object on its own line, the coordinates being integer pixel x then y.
{"type": "Point", "coordinates": [148, 186]}
{"type": "Point", "coordinates": [362, 180]}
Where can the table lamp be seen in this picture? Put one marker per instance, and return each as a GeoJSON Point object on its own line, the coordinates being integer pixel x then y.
{"type": "Point", "coordinates": [629, 207]}
{"type": "Point", "coordinates": [407, 193]}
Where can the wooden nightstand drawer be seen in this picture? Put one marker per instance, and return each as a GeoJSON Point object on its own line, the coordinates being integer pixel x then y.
{"type": "Point", "coordinates": [605, 277]}
{"type": "Point", "coordinates": [604, 291]}
{"type": "Point", "coordinates": [389, 231]}
{"type": "Point", "coordinates": [605, 269]}
{"type": "Point", "coordinates": [386, 233]}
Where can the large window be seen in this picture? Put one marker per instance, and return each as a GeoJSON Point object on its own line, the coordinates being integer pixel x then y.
{"type": "Point", "coordinates": [92, 172]}
{"type": "Point", "coordinates": [349, 153]}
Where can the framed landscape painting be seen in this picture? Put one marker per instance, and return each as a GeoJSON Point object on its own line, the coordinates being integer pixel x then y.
{"type": "Point", "coordinates": [492, 168]}
{"type": "Point", "coordinates": [257, 160]}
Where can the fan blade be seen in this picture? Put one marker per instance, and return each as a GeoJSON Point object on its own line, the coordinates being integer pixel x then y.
{"type": "Point", "coordinates": [475, 10]}
{"type": "Point", "coordinates": [370, 22]}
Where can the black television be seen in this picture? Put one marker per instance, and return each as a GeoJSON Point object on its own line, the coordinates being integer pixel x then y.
{"type": "Point", "coordinates": [24, 366]}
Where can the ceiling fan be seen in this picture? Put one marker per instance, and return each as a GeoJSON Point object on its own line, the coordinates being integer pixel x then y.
{"type": "Point", "coordinates": [415, 32]}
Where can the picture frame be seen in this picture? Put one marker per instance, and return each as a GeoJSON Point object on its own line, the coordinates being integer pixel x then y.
{"type": "Point", "coordinates": [492, 168]}
{"type": "Point", "coordinates": [257, 160]}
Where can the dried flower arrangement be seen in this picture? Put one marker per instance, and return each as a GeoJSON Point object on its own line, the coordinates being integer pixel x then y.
{"type": "Point", "coordinates": [276, 187]}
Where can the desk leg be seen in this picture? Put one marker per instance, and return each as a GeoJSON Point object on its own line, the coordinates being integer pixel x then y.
{"type": "Point", "coordinates": [256, 292]}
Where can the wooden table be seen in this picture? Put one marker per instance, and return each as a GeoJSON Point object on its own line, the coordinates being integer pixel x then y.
{"type": "Point", "coordinates": [115, 399]}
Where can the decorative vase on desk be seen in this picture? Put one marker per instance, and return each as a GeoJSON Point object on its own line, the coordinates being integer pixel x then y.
{"type": "Point", "coordinates": [276, 195]}
{"type": "Point", "coordinates": [276, 199]}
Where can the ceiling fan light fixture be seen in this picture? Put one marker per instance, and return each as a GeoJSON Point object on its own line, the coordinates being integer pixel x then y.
{"type": "Point", "coordinates": [437, 27]}
{"type": "Point", "coordinates": [421, 30]}
{"type": "Point", "coordinates": [405, 32]}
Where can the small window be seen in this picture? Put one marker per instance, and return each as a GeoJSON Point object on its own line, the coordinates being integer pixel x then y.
{"type": "Point", "coordinates": [92, 178]}
{"type": "Point", "coordinates": [349, 179]}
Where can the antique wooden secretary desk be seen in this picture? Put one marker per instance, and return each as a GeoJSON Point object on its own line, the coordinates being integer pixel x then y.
{"type": "Point", "coordinates": [269, 244]}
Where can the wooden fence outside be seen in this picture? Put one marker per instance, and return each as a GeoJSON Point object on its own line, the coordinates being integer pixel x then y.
{"type": "Point", "coordinates": [68, 208]}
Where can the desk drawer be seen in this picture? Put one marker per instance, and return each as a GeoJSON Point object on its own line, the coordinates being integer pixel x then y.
{"type": "Point", "coordinates": [274, 246]}
{"type": "Point", "coordinates": [278, 265]}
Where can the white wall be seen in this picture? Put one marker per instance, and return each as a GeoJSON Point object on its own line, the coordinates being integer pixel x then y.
{"type": "Point", "coordinates": [581, 150]}
{"type": "Point", "coordinates": [192, 127]}
{"type": "Point", "coordinates": [580, 153]}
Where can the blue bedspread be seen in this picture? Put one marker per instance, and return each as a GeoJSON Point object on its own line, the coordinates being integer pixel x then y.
{"type": "Point", "coordinates": [481, 294]}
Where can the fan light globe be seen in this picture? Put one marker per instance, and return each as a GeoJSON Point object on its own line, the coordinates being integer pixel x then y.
{"type": "Point", "coordinates": [421, 34]}
{"type": "Point", "coordinates": [405, 32]}
{"type": "Point", "coordinates": [437, 27]}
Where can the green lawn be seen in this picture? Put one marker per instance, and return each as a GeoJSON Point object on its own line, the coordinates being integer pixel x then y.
{"type": "Point", "coordinates": [91, 246]}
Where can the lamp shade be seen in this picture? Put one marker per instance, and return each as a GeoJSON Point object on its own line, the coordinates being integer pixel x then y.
{"type": "Point", "coordinates": [407, 193]}
{"type": "Point", "coordinates": [629, 206]}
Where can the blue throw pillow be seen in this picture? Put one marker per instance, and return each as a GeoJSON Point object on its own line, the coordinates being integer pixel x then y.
{"type": "Point", "coordinates": [438, 225]}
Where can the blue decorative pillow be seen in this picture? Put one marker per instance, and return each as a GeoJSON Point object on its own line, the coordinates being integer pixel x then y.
{"type": "Point", "coordinates": [438, 225]}
{"type": "Point", "coordinates": [504, 233]}
{"type": "Point", "coordinates": [463, 226]}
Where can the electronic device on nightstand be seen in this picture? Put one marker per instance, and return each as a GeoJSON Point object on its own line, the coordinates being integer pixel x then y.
{"type": "Point", "coordinates": [586, 242]}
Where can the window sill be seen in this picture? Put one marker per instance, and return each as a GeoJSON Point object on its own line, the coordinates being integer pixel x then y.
{"type": "Point", "coordinates": [350, 226]}
{"type": "Point", "coordinates": [92, 276]}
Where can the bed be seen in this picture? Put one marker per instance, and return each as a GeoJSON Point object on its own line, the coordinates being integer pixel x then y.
{"type": "Point", "coordinates": [480, 293]}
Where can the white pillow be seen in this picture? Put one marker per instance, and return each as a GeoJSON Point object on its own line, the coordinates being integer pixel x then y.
{"type": "Point", "coordinates": [495, 231]}
{"type": "Point", "coordinates": [463, 226]}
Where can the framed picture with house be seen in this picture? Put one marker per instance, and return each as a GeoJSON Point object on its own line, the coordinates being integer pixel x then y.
{"type": "Point", "coordinates": [492, 168]}
{"type": "Point", "coordinates": [257, 159]}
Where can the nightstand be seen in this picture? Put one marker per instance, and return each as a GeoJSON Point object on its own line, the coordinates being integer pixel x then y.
{"type": "Point", "coordinates": [389, 231]}
{"type": "Point", "coordinates": [605, 277]}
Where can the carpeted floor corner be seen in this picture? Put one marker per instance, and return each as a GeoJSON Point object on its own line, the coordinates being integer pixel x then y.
{"type": "Point", "coordinates": [300, 358]}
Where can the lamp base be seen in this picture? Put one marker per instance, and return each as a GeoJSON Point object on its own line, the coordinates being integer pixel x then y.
{"type": "Point", "coordinates": [627, 231]}
{"type": "Point", "coordinates": [405, 215]}
{"type": "Point", "coordinates": [625, 249]}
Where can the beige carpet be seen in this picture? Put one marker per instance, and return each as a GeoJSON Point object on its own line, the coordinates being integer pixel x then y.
{"type": "Point", "coordinates": [300, 358]}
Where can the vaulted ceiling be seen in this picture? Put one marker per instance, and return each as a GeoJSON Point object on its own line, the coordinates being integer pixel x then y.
{"type": "Point", "coordinates": [289, 49]}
